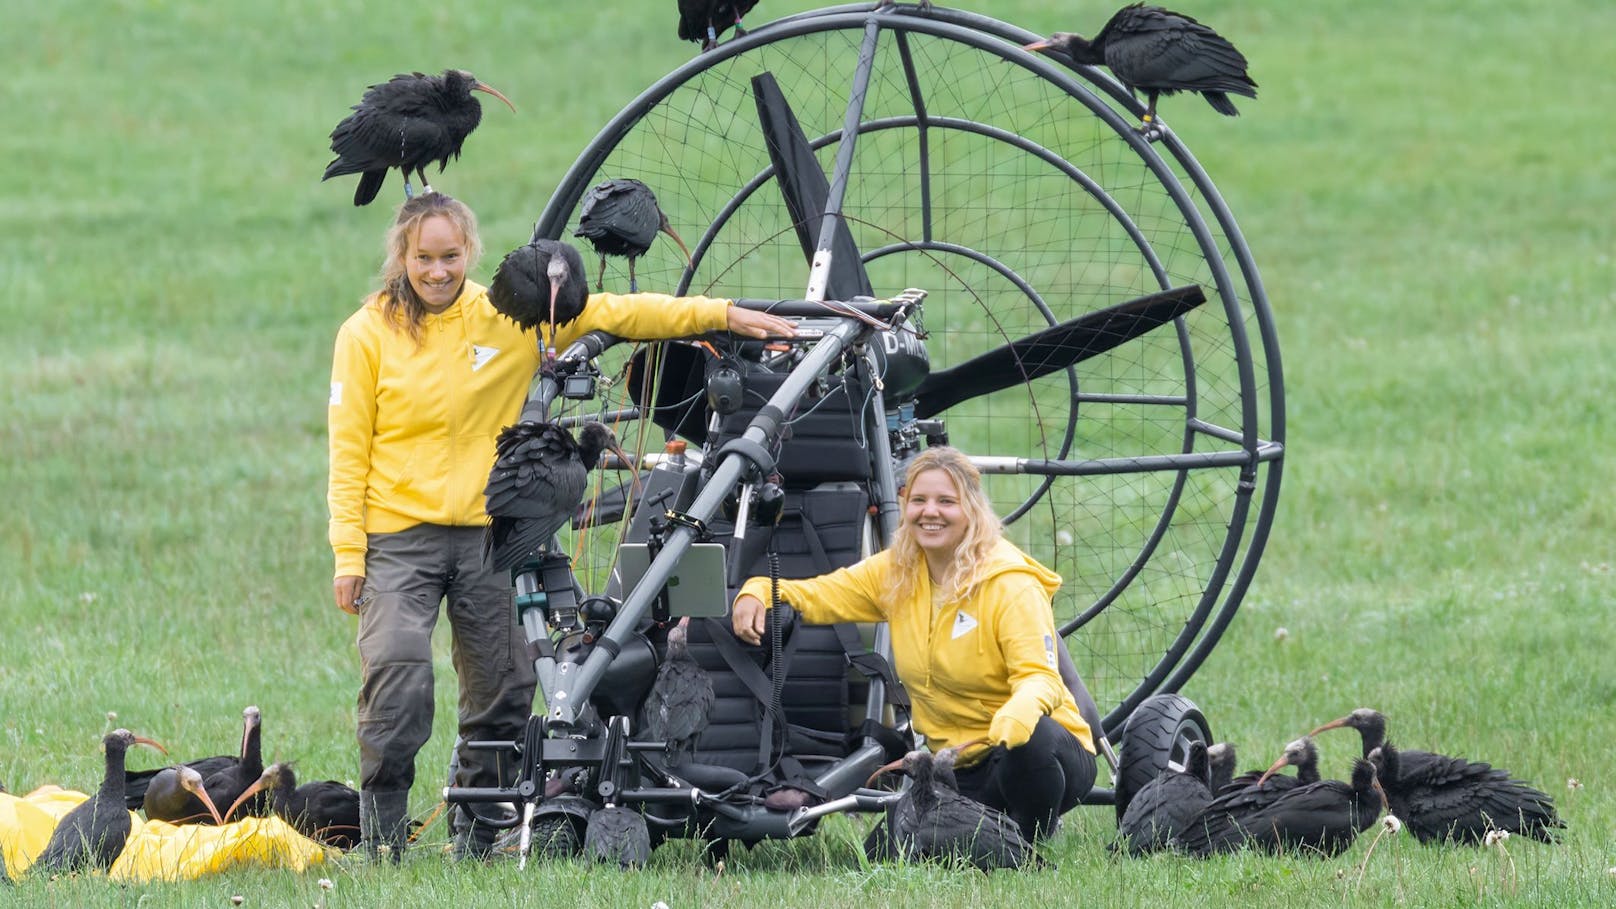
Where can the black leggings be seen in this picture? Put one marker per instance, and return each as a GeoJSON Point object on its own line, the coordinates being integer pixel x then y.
{"type": "Point", "coordinates": [1034, 783]}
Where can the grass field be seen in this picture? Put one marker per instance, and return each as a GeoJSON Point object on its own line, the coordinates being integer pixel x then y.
{"type": "Point", "coordinates": [1427, 189]}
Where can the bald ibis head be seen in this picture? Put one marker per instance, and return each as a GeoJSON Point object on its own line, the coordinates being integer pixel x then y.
{"type": "Point", "coordinates": [1370, 723]}
{"type": "Point", "coordinates": [1221, 761]}
{"type": "Point", "coordinates": [1301, 754]}
{"type": "Point", "coordinates": [179, 795]}
{"type": "Point", "coordinates": [540, 283]}
{"type": "Point", "coordinates": [407, 122]}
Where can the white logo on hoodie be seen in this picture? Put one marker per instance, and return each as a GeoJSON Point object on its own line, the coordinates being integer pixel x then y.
{"type": "Point", "coordinates": [481, 355]}
{"type": "Point", "coordinates": [963, 625]}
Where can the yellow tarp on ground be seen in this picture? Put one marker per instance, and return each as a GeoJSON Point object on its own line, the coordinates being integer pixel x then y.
{"type": "Point", "coordinates": [157, 850]}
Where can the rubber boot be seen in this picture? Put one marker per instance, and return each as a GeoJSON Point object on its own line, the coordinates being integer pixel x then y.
{"type": "Point", "coordinates": [384, 823]}
{"type": "Point", "coordinates": [473, 835]}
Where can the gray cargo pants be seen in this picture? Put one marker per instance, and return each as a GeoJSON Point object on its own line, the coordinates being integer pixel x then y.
{"type": "Point", "coordinates": [407, 574]}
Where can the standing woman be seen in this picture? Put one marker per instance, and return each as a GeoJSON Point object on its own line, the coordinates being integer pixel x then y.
{"type": "Point", "coordinates": [423, 378]}
{"type": "Point", "coordinates": [973, 637]}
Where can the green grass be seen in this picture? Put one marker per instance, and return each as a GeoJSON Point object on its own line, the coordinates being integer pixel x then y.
{"type": "Point", "coordinates": [1427, 190]}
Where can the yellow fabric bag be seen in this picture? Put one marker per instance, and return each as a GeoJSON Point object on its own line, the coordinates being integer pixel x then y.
{"type": "Point", "coordinates": [157, 850]}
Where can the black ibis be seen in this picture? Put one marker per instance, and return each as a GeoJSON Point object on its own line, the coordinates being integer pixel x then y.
{"type": "Point", "coordinates": [680, 701]}
{"type": "Point", "coordinates": [1221, 826]}
{"type": "Point", "coordinates": [932, 821]}
{"type": "Point", "coordinates": [539, 476]}
{"type": "Point", "coordinates": [93, 834]}
{"type": "Point", "coordinates": [179, 795]}
{"type": "Point", "coordinates": [705, 20]}
{"type": "Point", "coordinates": [251, 754]}
{"type": "Point", "coordinates": [325, 811]}
{"type": "Point", "coordinates": [1161, 52]}
{"type": "Point", "coordinates": [1440, 797]}
{"type": "Point", "coordinates": [1321, 818]}
{"type": "Point", "coordinates": [1166, 805]}
{"type": "Point", "coordinates": [541, 283]}
{"type": "Point", "coordinates": [407, 122]}
{"type": "Point", "coordinates": [621, 218]}
{"type": "Point", "coordinates": [618, 835]}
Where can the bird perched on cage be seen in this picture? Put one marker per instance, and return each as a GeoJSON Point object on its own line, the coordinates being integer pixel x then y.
{"type": "Point", "coordinates": [1161, 52]}
{"type": "Point", "coordinates": [620, 218]}
{"type": "Point", "coordinates": [1440, 797]}
{"type": "Point", "coordinates": [1166, 805]}
{"type": "Point", "coordinates": [539, 476]}
{"type": "Point", "coordinates": [407, 122]}
{"type": "Point", "coordinates": [92, 835]}
{"type": "Point", "coordinates": [705, 20]}
{"type": "Point", "coordinates": [681, 698]}
{"type": "Point", "coordinates": [541, 283]}
{"type": "Point", "coordinates": [932, 820]}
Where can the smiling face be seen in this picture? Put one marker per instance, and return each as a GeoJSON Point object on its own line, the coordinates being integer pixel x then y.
{"type": "Point", "coordinates": [932, 509]}
{"type": "Point", "coordinates": [436, 262]}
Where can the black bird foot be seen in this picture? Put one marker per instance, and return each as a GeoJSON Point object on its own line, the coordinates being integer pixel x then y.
{"type": "Point", "coordinates": [1151, 131]}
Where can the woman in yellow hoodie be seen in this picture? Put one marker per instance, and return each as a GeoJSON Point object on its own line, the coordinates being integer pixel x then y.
{"type": "Point", "coordinates": [423, 378]}
{"type": "Point", "coordinates": [973, 637]}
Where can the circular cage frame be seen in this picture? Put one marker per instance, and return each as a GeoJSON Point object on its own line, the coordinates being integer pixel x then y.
{"type": "Point", "coordinates": [1254, 447]}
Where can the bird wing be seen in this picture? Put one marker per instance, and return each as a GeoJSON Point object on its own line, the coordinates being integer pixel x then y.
{"type": "Point", "coordinates": [961, 827]}
{"type": "Point", "coordinates": [1174, 52]}
{"type": "Point", "coordinates": [1166, 805]}
{"type": "Point", "coordinates": [621, 218]}
{"type": "Point", "coordinates": [1450, 796]}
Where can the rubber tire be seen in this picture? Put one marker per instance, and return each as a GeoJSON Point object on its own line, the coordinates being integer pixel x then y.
{"type": "Point", "coordinates": [1156, 737]}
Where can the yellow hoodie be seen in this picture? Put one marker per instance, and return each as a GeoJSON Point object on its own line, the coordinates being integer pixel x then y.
{"type": "Point", "coordinates": [982, 667]}
{"type": "Point", "coordinates": [412, 426]}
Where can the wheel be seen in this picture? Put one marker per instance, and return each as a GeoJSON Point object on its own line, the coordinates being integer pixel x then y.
{"type": "Point", "coordinates": [1017, 192]}
{"type": "Point", "coordinates": [556, 835]}
{"type": "Point", "coordinates": [1156, 738]}
{"type": "Point", "coordinates": [618, 836]}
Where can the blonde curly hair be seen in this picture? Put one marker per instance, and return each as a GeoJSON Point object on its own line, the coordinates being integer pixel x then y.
{"type": "Point", "coordinates": [982, 530]}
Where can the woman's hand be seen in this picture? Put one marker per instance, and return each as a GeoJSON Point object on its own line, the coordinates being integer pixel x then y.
{"type": "Point", "coordinates": [749, 617]}
{"type": "Point", "coordinates": [749, 323]}
{"type": "Point", "coordinates": [346, 589]}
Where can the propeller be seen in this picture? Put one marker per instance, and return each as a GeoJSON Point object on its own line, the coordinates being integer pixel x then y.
{"type": "Point", "coordinates": [806, 191]}
{"type": "Point", "coordinates": [1053, 349]}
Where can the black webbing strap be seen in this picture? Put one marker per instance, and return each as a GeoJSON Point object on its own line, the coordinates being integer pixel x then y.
{"type": "Point", "coordinates": [752, 677]}
{"type": "Point", "coordinates": [873, 665]}
{"type": "Point", "coordinates": [897, 744]}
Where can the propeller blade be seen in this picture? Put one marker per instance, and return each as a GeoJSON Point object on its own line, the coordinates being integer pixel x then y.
{"type": "Point", "coordinates": [1053, 349]}
{"type": "Point", "coordinates": [806, 191]}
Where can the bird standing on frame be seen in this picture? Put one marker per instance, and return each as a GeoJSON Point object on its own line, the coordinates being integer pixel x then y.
{"type": "Point", "coordinates": [407, 122]}
{"type": "Point", "coordinates": [537, 483]}
{"type": "Point", "coordinates": [1440, 797]}
{"type": "Point", "coordinates": [93, 834]}
{"type": "Point", "coordinates": [681, 698]}
{"type": "Point", "coordinates": [621, 218]}
{"type": "Point", "coordinates": [705, 20]}
{"type": "Point", "coordinates": [541, 283]}
{"type": "Point", "coordinates": [1161, 52]}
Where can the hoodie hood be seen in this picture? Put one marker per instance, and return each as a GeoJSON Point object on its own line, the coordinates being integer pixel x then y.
{"type": "Point", "coordinates": [1007, 558]}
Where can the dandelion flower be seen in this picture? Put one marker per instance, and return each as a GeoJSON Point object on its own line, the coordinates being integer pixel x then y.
{"type": "Point", "coordinates": [1573, 784]}
{"type": "Point", "coordinates": [1392, 823]}
{"type": "Point", "coordinates": [1495, 837]}
{"type": "Point", "coordinates": [325, 883]}
{"type": "Point", "coordinates": [1282, 633]}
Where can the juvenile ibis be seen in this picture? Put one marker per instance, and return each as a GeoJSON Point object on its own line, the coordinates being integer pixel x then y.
{"type": "Point", "coordinates": [541, 283]}
{"type": "Point", "coordinates": [1220, 760]}
{"type": "Point", "coordinates": [1161, 52]}
{"type": "Point", "coordinates": [932, 821]}
{"type": "Point", "coordinates": [1166, 805]}
{"type": "Point", "coordinates": [681, 698]}
{"type": "Point", "coordinates": [325, 811]}
{"type": "Point", "coordinates": [407, 122]}
{"type": "Point", "coordinates": [219, 766]}
{"type": "Point", "coordinates": [705, 20]}
{"type": "Point", "coordinates": [93, 834]}
{"type": "Point", "coordinates": [619, 836]}
{"type": "Point", "coordinates": [1440, 797]}
{"type": "Point", "coordinates": [179, 795]}
{"type": "Point", "coordinates": [539, 476]}
{"type": "Point", "coordinates": [621, 218]}
{"type": "Point", "coordinates": [1321, 818]}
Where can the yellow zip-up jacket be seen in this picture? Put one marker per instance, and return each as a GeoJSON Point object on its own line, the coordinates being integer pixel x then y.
{"type": "Point", "coordinates": [412, 426]}
{"type": "Point", "coordinates": [982, 667]}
